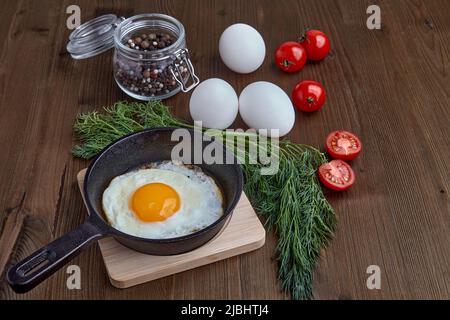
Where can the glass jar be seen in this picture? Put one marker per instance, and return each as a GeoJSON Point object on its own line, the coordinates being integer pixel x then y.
{"type": "Point", "coordinates": [151, 61]}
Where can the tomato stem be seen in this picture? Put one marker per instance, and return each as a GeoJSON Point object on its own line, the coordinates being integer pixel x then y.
{"type": "Point", "coordinates": [303, 34]}
{"type": "Point", "coordinates": [287, 63]}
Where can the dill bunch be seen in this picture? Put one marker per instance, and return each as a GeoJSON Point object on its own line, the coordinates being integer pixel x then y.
{"type": "Point", "coordinates": [291, 200]}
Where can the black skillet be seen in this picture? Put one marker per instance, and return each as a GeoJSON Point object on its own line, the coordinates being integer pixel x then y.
{"type": "Point", "coordinates": [126, 154]}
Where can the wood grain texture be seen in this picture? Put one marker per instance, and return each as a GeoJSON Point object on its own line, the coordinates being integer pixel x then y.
{"type": "Point", "coordinates": [390, 86]}
{"type": "Point", "coordinates": [126, 268]}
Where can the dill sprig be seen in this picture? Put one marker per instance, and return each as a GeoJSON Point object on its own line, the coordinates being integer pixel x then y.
{"type": "Point", "coordinates": [291, 200]}
{"type": "Point", "coordinates": [96, 130]}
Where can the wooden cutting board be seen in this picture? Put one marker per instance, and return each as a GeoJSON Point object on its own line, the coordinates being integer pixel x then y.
{"type": "Point", "coordinates": [127, 267]}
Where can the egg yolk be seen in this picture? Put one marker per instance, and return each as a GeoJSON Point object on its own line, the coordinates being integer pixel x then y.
{"type": "Point", "coordinates": [155, 202]}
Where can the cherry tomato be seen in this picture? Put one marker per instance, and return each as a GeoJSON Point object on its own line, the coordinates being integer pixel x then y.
{"type": "Point", "coordinates": [290, 56]}
{"type": "Point", "coordinates": [336, 175]}
{"type": "Point", "coordinates": [343, 145]}
{"type": "Point", "coordinates": [316, 43]}
{"type": "Point", "coordinates": [308, 96]}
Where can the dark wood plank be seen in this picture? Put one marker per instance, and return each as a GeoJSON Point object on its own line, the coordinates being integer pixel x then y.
{"type": "Point", "coordinates": [391, 86]}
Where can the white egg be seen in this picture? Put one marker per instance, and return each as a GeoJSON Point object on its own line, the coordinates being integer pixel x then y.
{"type": "Point", "coordinates": [263, 105]}
{"type": "Point", "coordinates": [199, 199]}
{"type": "Point", "coordinates": [215, 103]}
{"type": "Point", "coordinates": [242, 48]}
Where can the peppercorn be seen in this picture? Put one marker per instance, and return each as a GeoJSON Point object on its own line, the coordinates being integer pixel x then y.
{"type": "Point", "coordinates": [147, 73]}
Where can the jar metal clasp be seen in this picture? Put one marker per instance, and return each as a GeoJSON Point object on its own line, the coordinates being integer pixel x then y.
{"type": "Point", "coordinates": [182, 56]}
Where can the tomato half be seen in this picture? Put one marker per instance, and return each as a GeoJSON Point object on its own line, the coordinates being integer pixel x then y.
{"type": "Point", "coordinates": [290, 56]}
{"type": "Point", "coordinates": [343, 145]}
{"type": "Point", "coordinates": [316, 43]}
{"type": "Point", "coordinates": [308, 96]}
{"type": "Point", "coordinates": [336, 175]}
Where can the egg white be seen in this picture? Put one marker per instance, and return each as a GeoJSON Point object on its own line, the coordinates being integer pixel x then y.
{"type": "Point", "coordinates": [201, 201]}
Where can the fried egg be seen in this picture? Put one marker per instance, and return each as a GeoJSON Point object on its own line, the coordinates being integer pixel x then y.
{"type": "Point", "coordinates": [163, 200]}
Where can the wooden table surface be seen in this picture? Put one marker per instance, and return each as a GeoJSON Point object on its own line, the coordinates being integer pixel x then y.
{"type": "Point", "coordinates": [390, 86]}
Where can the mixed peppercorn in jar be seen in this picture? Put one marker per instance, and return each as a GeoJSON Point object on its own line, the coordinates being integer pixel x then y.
{"type": "Point", "coordinates": [150, 61]}
{"type": "Point", "coordinates": [144, 76]}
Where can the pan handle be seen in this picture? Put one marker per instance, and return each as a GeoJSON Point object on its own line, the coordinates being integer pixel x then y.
{"type": "Point", "coordinates": [34, 269]}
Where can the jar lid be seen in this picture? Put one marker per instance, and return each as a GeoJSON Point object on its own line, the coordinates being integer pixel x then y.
{"type": "Point", "coordinates": [93, 37]}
